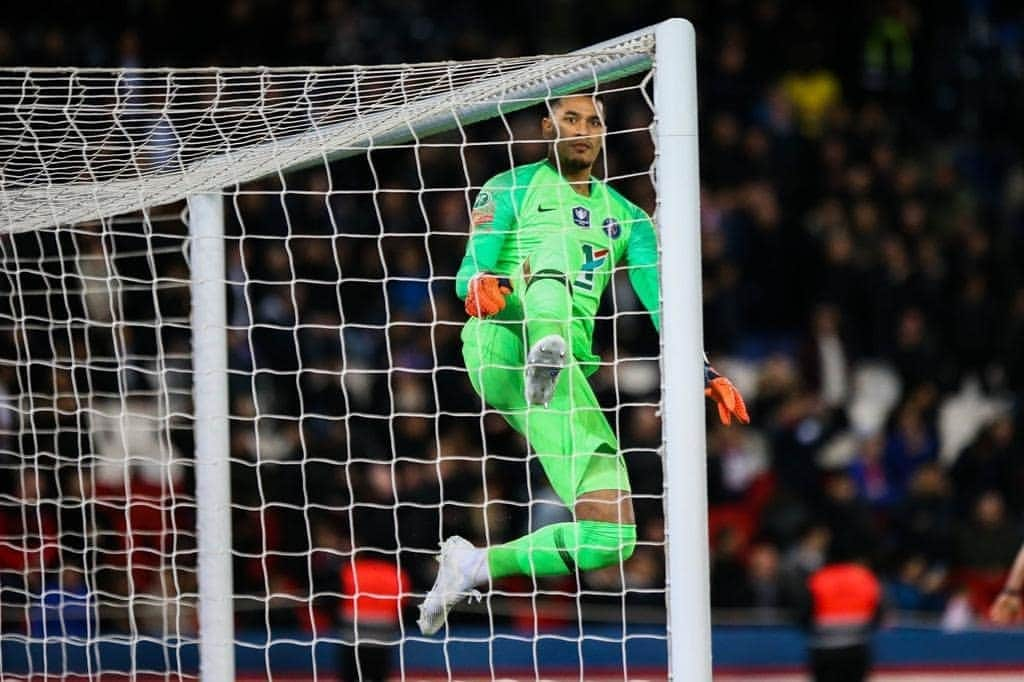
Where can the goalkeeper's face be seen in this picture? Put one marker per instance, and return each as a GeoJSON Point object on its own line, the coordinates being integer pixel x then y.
{"type": "Point", "coordinates": [576, 129]}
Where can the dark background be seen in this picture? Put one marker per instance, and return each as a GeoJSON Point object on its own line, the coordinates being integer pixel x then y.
{"type": "Point", "coordinates": [862, 194]}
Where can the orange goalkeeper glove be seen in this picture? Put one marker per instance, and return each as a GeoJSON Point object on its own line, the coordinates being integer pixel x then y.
{"type": "Point", "coordinates": [730, 402]}
{"type": "Point", "coordinates": [486, 295]}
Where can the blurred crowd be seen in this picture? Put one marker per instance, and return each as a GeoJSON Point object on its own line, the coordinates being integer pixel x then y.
{"type": "Point", "coordinates": [862, 221]}
{"type": "Point", "coordinates": [862, 215]}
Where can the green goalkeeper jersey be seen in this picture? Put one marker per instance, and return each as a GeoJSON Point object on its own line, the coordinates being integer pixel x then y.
{"type": "Point", "coordinates": [519, 210]}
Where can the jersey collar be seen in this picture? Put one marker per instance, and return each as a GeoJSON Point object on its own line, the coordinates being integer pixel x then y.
{"type": "Point", "coordinates": [595, 184]}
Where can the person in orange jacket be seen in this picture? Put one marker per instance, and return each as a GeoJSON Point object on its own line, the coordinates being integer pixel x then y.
{"type": "Point", "coordinates": [842, 609]}
{"type": "Point", "coordinates": [374, 589]}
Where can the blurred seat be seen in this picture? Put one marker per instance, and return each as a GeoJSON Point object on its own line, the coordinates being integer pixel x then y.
{"type": "Point", "coordinates": [962, 415]}
{"type": "Point", "coordinates": [876, 390]}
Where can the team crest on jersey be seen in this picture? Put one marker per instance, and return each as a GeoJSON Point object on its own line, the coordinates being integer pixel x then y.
{"type": "Point", "coordinates": [611, 227]}
{"type": "Point", "coordinates": [581, 216]}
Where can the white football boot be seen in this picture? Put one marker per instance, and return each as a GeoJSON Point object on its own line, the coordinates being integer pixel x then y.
{"type": "Point", "coordinates": [544, 363]}
{"type": "Point", "coordinates": [461, 567]}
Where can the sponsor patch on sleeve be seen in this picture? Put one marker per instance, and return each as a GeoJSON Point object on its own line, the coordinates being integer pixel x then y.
{"type": "Point", "coordinates": [483, 199]}
{"type": "Point", "coordinates": [483, 209]}
{"type": "Point", "coordinates": [482, 218]}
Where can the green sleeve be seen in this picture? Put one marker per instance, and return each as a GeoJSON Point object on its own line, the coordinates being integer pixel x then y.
{"type": "Point", "coordinates": [493, 219]}
{"type": "Point", "coordinates": [642, 259]}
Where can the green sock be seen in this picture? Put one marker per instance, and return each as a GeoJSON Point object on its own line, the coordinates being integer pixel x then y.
{"type": "Point", "coordinates": [548, 306]}
{"type": "Point", "coordinates": [561, 547]}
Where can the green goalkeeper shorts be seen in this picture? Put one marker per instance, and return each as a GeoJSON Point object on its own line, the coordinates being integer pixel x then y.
{"type": "Point", "coordinates": [571, 436]}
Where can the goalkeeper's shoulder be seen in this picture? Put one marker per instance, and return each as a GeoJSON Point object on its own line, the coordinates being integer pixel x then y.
{"type": "Point", "coordinates": [517, 177]}
{"type": "Point", "coordinates": [627, 205]}
{"type": "Point", "coordinates": [500, 197]}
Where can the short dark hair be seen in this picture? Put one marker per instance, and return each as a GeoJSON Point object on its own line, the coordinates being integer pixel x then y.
{"type": "Point", "coordinates": [553, 102]}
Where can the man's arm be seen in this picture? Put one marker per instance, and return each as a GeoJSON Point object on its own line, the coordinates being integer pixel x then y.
{"type": "Point", "coordinates": [642, 259]}
{"type": "Point", "coordinates": [1007, 606]}
{"type": "Point", "coordinates": [727, 398]}
{"type": "Point", "coordinates": [492, 218]}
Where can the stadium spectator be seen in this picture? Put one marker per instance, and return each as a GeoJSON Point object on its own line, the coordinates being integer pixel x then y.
{"type": "Point", "coordinates": [869, 473]}
{"type": "Point", "coordinates": [849, 516]}
{"type": "Point", "coordinates": [764, 578]}
{"type": "Point", "coordinates": [883, 186]}
{"type": "Point", "coordinates": [728, 571]}
{"type": "Point", "coordinates": [66, 607]}
{"type": "Point", "coordinates": [910, 444]}
{"type": "Point", "coordinates": [986, 541]}
{"type": "Point", "coordinates": [988, 463]}
{"type": "Point", "coordinates": [924, 521]}
{"type": "Point", "coordinates": [30, 547]}
{"type": "Point", "coordinates": [842, 607]}
{"type": "Point", "coordinates": [984, 549]}
{"type": "Point", "coordinates": [374, 590]}
{"type": "Point", "coordinates": [917, 586]}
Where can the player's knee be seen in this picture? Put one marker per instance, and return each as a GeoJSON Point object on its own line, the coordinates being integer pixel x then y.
{"type": "Point", "coordinates": [561, 251]}
{"type": "Point", "coordinates": [609, 506]}
{"type": "Point", "coordinates": [549, 278]}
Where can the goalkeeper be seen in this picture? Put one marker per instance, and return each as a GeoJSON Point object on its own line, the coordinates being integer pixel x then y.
{"type": "Point", "coordinates": [546, 237]}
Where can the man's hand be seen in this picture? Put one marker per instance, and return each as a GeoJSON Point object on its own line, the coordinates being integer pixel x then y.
{"type": "Point", "coordinates": [486, 295]}
{"type": "Point", "coordinates": [1006, 608]}
{"type": "Point", "coordinates": [730, 402]}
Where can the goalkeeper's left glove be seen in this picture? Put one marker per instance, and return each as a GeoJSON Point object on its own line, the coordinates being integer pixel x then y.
{"type": "Point", "coordinates": [725, 395]}
{"type": "Point", "coordinates": [486, 294]}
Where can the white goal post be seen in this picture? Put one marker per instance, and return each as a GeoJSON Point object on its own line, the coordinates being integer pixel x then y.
{"type": "Point", "coordinates": [97, 300]}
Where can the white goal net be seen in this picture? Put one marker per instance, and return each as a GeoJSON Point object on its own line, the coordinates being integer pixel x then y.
{"type": "Point", "coordinates": [353, 441]}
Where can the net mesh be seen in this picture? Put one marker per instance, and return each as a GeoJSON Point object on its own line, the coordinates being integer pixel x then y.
{"type": "Point", "coordinates": [354, 430]}
{"type": "Point", "coordinates": [116, 141]}
{"type": "Point", "coordinates": [97, 532]}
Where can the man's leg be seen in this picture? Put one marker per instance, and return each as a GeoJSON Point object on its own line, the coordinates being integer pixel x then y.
{"type": "Point", "coordinates": [603, 534]}
{"type": "Point", "coordinates": [374, 662]}
{"type": "Point", "coordinates": [575, 444]}
{"type": "Point", "coordinates": [349, 667]}
{"type": "Point", "coordinates": [548, 273]}
{"type": "Point", "coordinates": [493, 353]}
{"type": "Point", "coordinates": [547, 307]}
{"type": "Point", "coordinates": [579, 453]}
{"type": "Point", "coordinates": [845, 664]}
{"type": "Point", "coordinates": [610, 505]}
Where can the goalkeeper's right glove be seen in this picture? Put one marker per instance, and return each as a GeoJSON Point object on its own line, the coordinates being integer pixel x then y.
{"type": "Point", "coordinates": [725, 395]}
{"type": "Point", "coordinates": [486, 295]}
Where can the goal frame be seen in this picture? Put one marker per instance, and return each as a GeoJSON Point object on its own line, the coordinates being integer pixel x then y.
{"type": "Point", "coordinates": [670, 53]}
{"type": "Point", "coordinates": [684, 448]}
{"type": "Point", "coordinates": [677, 215]}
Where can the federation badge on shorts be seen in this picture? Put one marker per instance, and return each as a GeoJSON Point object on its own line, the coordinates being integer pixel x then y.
{"type": "Point", "coordinates": [581, 216]}
{"type": "Point", "coordinates": [611, 227]}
